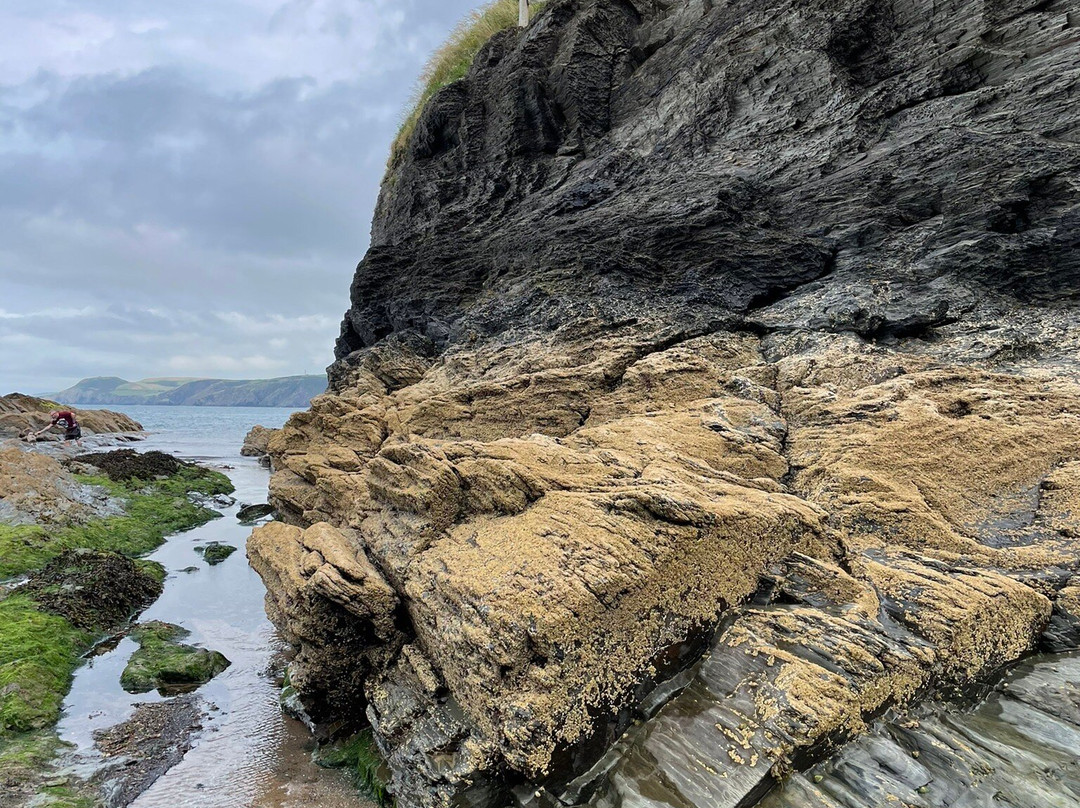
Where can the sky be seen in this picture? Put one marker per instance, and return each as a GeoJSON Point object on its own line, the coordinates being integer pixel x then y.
{"type": "Point", "coordinates": [186, 188]}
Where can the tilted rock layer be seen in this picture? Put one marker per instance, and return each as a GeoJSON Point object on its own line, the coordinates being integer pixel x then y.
{"type": "Point", "coordinates": [681, 313]}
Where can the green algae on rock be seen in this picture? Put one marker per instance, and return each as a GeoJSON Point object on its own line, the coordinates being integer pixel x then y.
{"type": "Point", "coordinates": [165, 664]}
{"type": "Point", "coordinates": [28, 768]}
{"type": "Point", "coordinates": [72, 537]}
{"type": "Point", "coordinates": [47, 624]}
{"type": "Point", "coordinates": [38, 653]}
{"type": "Point", "coordinates": [215, 552]}
{"type": "Point", "coordinates": [150, 512]}
{"type": "Point", "coordinates": [361, 757]}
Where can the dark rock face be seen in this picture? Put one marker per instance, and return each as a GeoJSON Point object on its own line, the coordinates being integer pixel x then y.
{"type": "Point", "coordinates": [252, 513]}
{"type": "Point", "coordinates": [894, 165]}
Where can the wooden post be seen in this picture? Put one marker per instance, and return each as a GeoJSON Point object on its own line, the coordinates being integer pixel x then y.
{"type": "Point", "coordinates": [523, 13]}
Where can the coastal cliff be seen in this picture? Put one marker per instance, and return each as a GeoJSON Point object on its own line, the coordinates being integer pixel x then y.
{"type": "Point", "coordinates": [288, 391]}
{"type": "Point", "coordinates": [719, 347]}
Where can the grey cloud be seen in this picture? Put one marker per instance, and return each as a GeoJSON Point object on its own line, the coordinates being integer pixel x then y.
{"type": "Point", "coordinates": [192, 183]}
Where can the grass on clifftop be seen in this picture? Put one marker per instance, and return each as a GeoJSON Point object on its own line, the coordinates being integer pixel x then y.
{"type": "Point", "coordinates": [452, 61]}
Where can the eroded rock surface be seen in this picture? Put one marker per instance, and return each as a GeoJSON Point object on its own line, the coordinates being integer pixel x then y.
{"type": "Point", "coordinates": [696, 326]}
{"type": "Point", "coordinates": [37, 489]}
{"type": "Point", "coordinates": [257, 443]}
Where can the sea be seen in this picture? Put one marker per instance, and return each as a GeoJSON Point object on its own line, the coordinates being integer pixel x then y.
{"type": "Point", "coordinates": [215, 433]}
{"type": "Point", "coordinates": [247, 752]}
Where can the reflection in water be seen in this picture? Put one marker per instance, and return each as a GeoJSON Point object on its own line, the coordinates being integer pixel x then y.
{"type": "Point", "coordinates": [248, 753]}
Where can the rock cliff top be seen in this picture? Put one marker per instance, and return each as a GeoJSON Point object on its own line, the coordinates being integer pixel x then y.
{"type": "Point", "coordinates": [692, 326]}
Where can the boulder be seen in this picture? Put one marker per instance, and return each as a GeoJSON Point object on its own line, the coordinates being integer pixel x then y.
{"type": "Point", "coordinates": [165, 664]}
{"type": "Point", "coordinates": [257, 443]}
{"type": "Point", "coordinates": [215, 552]}
{"type": "Point", "coordinates": [252, 513]}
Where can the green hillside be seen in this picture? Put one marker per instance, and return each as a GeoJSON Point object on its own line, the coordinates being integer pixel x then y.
{"type": "Point", "coordinates": [289, 391]}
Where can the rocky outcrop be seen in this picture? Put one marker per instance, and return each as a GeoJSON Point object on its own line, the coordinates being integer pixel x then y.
{"type": "Point", "coordinates": [20, 414]}
{"type": "Point", "coordinates": [37, 489]}
{"type": "Point", "coordinates": [257, 443]}
{"type": "Point", "coordinates": [998, 753]}
{"type": "Point", "coordinates": [693, 328]}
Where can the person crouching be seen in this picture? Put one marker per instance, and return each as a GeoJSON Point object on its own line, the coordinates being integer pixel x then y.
{"type": "Point", "coordinates": [62, 419]}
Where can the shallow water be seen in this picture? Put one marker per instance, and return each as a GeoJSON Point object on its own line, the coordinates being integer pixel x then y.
{"type": "Point", "coordinates": [249, 753]}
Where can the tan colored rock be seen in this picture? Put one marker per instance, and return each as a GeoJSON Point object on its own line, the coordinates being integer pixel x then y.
{"type": "Point", "coordinates": [323, 594]}
{"type": "Point", "coordinates": [21, 414]}
{"type": "Point", "coordinates": [559, 517]}
{"type": "Point", "coordinates": [257, 441]}
{"type": "Point", "coordinates": [36, 489]}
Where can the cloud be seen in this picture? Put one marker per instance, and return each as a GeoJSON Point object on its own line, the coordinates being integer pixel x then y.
{"type": "Point", "coordinates": [225, 364]}
{"type": "Point", "coordinates": [192, 184]}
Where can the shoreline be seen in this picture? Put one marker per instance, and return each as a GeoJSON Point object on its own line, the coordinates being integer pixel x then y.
{"type": "Point", "coordinates": [240, 743]}
{"type": "Point", "coordinates": [96, 529]}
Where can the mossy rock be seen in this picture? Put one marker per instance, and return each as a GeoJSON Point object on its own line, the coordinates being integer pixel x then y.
{"type": "Point", "coordinates": [215, 552]}
{"type": "Point", "coordinates": [164, 664]}
{"type": "Point", "coordinates": [152, 512]}
{"type": "Point", "coordinates": [361, 758]}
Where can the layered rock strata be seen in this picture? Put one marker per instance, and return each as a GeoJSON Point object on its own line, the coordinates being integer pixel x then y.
{"type": "Point", "coordinates": [696, 326]}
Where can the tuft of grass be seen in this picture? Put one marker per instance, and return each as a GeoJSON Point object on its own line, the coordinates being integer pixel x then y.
{"type": "Point", "coordinates": [452, 61]}
{"type": "Point", "coordinates": [38, 653]}
{"type": "Point", "coordinates": [361, 757]}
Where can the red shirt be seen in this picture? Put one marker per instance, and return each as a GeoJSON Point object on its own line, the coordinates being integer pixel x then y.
{"type": "Point", "coordinates": [67, 416]}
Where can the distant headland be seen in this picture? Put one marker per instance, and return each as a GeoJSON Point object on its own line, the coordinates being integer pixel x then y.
{"type": "Point", "coordinates": [288, 391]}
